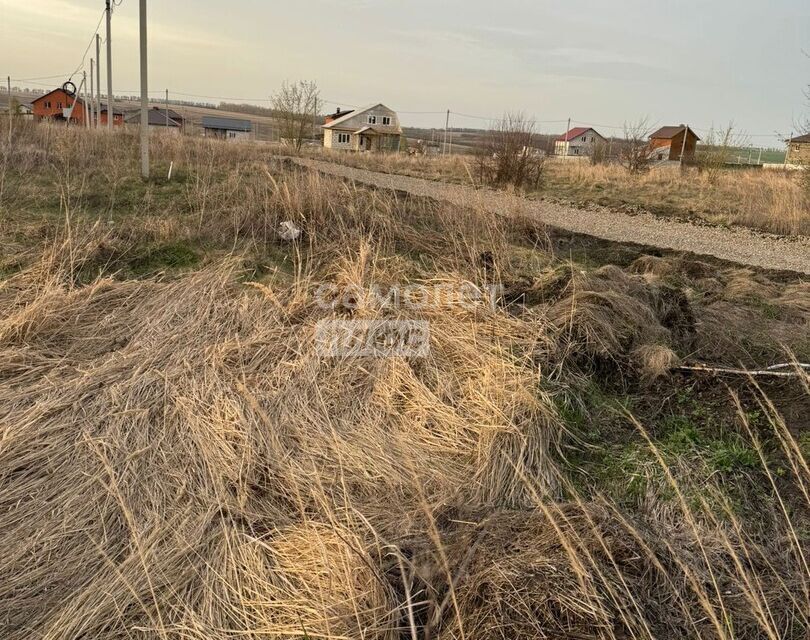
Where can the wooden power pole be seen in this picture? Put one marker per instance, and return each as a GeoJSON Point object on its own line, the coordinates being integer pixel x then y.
{"type": "Point", "coordinates": [683, 146]}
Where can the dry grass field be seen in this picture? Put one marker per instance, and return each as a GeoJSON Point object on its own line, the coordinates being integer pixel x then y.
{"type": "Point", "coordinates": [773, 201]}
{"type": "Point", "coordinates": [178, 459]}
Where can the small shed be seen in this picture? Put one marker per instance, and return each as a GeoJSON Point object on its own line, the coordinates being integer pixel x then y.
{"type": "Point", "coordinates": [798, 151]}
{"type": "Point", "coordinates": [668, 142]}
{"type": "Point", "coordinates": [25, 110]}
{"type": "Point", "coordinates": [226, 128]}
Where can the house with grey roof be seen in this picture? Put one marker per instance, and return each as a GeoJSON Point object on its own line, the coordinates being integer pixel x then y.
{"type": "Point", "coordinates": [226, 128]}
{"type": "Point", "coordinates": [158, 118]}
{"type": "Point", "coordinates": [372, 128]}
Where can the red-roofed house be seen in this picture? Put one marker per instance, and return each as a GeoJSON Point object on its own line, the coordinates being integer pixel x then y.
{"type": "Point", "coordinates": [579, 141]}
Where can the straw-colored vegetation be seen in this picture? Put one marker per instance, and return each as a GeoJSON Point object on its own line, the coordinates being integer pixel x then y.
{"type": "Point", "coordinates": [177, 459]}
{"type": "Point", "coordinates": [774, 201]}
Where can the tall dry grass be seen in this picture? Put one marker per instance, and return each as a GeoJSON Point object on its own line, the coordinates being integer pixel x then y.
{"type": "Point", "coordinates": [774, 201]}
{"type": "Point", "coordinates": [177, 460]}
{"type": "Point", "coordinates": [769, 200]}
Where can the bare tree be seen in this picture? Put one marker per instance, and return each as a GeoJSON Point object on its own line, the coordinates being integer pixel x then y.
{"type": "Point", "coordinates": [510, 154]}
{"type": "Point", "coordinates": [296, 107]}
{"type": "Point", "coordinates": [717, 150]}
{"type": "Point", "coordinates": [635, 150]}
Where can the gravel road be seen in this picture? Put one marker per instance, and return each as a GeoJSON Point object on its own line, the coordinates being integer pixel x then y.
{"type": "Point", "coordinates": [736, 244]}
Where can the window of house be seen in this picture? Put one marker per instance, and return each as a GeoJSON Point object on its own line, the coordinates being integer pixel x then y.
{"type": "Point", "coordinates": [343, 138]}
{"type": "Point", "coordinates": [584, 138]}
{"type": "Point", "coordinates": [372, 119]}
{"type": "Point", "coordinates": [58, 105]}
{"type": "Point", "coordinates": [48, 104]}
{"type": "Point", "coordinates": [386, 120]}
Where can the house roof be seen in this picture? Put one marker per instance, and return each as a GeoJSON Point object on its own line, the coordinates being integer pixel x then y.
{"type": "Point", "coordinates": [667, 133]}
{"type": "Point", "coordinates": [227, 124]}
{"type": "Point", "coordinates": [338, 121]}
{"type": "Point", "coordinates": [805, 138]}
{"type": "Point", "coordinates": [172, 113]}
{"type": "Point", "coordinates": [576, 132]}
{"type": "Point", "coordinates": [116, 110]}
{"type": "Point", "coordinates": [57, 90]}
{"type": "Point", "coordinates": [338, 114]}
{"type": "Point", "coordinates": [156, 118]}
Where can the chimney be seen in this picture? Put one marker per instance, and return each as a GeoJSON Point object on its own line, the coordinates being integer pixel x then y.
{"type": "Point", "coordinates": [338, 111]}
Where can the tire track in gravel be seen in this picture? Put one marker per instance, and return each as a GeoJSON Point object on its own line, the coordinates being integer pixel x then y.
{"type": "Point", "coordinates": [735, 244]}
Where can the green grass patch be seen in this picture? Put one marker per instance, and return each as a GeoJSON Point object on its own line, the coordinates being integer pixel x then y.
{"type": "Point", "coordinates": [172, 257]}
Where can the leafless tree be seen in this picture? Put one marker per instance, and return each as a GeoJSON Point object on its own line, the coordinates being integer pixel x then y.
{"type": "Point", "coordinates": [296, 107]}
{"type": "Point", "coordinates": [635, 150]}
{"type": "Point", "coordinates": [717, 150]}
{"type": "Point", "coordinates": [510, 154]}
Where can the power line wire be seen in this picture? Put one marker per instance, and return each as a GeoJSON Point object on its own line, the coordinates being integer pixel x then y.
{"type": "Point", "coordinates": [59, 75]}
{"type": "Point", "coordinates": [89, 44]}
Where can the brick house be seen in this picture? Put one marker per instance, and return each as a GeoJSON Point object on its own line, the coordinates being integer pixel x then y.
{"type": "Point", "coordinates": [668, 142]}
{"type": "Point", "coordinates": [56, 105]}
{"type": "Point", "coordinates": [118, 115]}
{"type": "Point", "coordinates": [798, 151]}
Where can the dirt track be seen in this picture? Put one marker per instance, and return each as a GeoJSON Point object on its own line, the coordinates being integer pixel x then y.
{"type": "Point", "coordinates": [735, 244]}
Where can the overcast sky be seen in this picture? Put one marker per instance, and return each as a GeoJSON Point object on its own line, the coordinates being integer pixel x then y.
{"type": "Point", "coordinates": [699, 61]}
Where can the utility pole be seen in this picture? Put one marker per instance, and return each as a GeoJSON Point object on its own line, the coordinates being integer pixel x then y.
{"type": "Point", "coordinates": [8, 79]}
{"type": "Point", "coordinates": [167, 109]}
{"type": "Point", "coordinates": [92, 93]}
{"type": "Point", "coordinates": [98, 81]}
{"type": "Point", "coordinates": [446, 127]}
{"type": "Point", "coordinates": [86, 105]}
{"type": "Point", "coordinates": [567, 130]}
{"type": "Point", "coordinates": [683, 146]}
{"type": "Point", "coordinates": [110, 109]}
{"type": "Point", "coordinates": [144, 96]}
